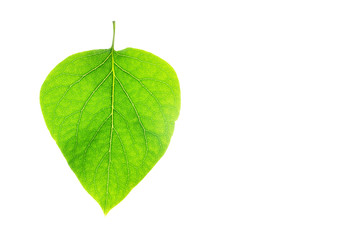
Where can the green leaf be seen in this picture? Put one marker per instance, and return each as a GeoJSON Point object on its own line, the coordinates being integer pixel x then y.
{"type": "Point", "coordinates": [112, 114]}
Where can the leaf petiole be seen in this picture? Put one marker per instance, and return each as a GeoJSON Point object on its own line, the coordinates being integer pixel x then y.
{"type": "Point", "coordinates": [113, 37]}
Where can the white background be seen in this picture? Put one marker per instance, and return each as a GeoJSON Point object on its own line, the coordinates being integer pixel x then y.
{"type": "Point", "coordinates": [261, 150]}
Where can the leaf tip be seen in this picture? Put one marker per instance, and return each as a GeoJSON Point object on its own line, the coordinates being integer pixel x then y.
{"type": "Point", "coordinates": [106, 211]}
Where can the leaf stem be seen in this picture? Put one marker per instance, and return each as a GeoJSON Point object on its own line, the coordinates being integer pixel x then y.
{"type": "Point", "coordinates": [113, 37]}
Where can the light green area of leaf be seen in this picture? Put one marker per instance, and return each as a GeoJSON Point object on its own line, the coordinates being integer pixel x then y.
{"type": "Point", "coordinates": [112, 114]}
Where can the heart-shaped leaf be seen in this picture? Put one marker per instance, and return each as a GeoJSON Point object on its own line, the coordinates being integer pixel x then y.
{"type": "Point", "coordinates": [112, 114]}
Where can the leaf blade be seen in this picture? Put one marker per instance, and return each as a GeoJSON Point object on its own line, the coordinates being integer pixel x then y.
{"type": "Point", "coordinates": [109, 170]}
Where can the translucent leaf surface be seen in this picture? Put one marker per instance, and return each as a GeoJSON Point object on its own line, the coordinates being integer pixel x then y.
{"type": "Point", "coordinates": [112, 114]}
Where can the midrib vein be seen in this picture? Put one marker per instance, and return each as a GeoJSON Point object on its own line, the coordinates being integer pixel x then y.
{"type": "Point", "coordinates": [112, 122]}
